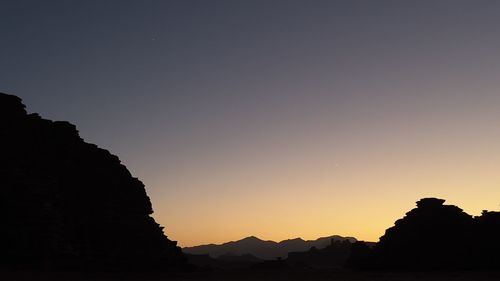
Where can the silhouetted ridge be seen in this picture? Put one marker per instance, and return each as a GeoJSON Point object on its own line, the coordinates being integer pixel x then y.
{"type": "Point", "coordinates": [487, 242]}
{"type": "Point", "coordinates": [261, 249]}
{"type": "Point", "coordinates": [65, 203]}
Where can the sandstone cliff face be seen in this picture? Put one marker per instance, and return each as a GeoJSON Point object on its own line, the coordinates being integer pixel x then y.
{"type": "Point", "coordinates": [65, 203]}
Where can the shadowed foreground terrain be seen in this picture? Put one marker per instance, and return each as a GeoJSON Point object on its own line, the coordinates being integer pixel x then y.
{"type": "Point", "coordinates": [288, 275]}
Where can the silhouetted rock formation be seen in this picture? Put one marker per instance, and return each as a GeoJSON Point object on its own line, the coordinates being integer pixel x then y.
{"type": "Point", "coordinates": [201, 261]}
{"type": "Point", "coordinates": [267, 250]}
{"type": "Point", "coordinates": [486, 245]}
{"type": "Point", "coordinates": [361, 255]}
{"type": "Point", "coordinates": [438, 236]}
{"type": "Point", "coordinates": [65, 203]}
{"type": "Point", "coordinates": [430, 236]}
{"type": "Point", "coordinates": [227, 261]}
{"type": "Point", "coordinates": [277, 264]}
{"type": "Point", "coordinates": [246, 258]}
{"type": "Point", "coordinates": [334, 255]}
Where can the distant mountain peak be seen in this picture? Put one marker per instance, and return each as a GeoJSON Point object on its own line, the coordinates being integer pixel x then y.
{"type": "Point", "coordinates": [293, 239]}
{"type": "Point", "coordinates": [251, 238]}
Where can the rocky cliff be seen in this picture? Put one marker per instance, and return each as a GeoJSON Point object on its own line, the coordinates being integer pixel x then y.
{"type": "Point", "coordinates": [68, 204]}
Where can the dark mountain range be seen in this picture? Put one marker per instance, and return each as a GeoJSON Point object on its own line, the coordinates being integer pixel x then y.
{"type": "Point", "coordinates": [69, 205]}
{"type": "Point", "coordinates": [264, 249]}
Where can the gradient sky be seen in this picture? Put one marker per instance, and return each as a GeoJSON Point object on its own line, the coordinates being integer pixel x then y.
{"type": "Point", "coordinates": [278, 119]}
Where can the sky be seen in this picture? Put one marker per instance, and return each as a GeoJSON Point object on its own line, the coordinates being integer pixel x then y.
{"type": "Point", "coordinates": [278, 119]}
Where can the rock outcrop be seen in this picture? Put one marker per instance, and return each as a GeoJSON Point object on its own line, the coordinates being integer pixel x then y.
{"type": "Point", "coordinates": [435, 236]}
{"type": "Point", "coordinates": [68, 204]}
{"type": "Point", "coordinates": [334, 255]}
